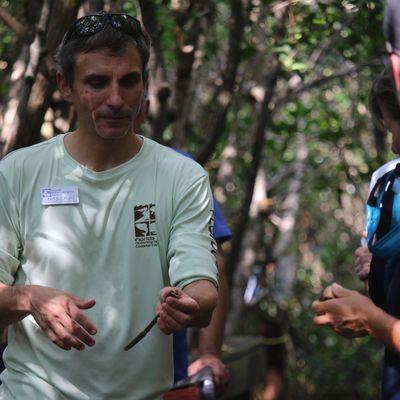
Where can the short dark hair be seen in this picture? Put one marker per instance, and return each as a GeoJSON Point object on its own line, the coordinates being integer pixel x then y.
{"type": "Point", "coordinates": [106, 39]}
{"type": "Point", "coordinates": [383, 94]}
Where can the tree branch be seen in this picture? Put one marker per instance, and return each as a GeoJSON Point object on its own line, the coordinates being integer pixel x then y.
{"type": "Point", "coordinates": [17, 27]}
{"type": "Point", "coordinates": [159, 87]}
{"type": "Point", "coordinates": [150, 21]}
{"type": "Point", "coordinates": [188, 33]}
{"type": "Point", "coordinates": [62, 14]}
{"type": "Point", "coordinates": [265, 112]}
{"type": "Point", "coordinates": [318, 82]}
{"type": "Point", "coordinates": [291, 202]}
{"type": "Point", "coordinates": [222, 98]}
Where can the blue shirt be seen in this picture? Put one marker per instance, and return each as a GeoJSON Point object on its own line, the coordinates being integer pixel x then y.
{"type": "Point", "coordinates": [221, 234]}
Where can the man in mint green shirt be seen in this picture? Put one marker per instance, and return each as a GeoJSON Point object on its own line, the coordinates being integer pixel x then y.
{"type": "Point", "coordinates": [96, 227]}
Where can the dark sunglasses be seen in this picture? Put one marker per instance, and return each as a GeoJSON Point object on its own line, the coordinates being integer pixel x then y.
{"type": "Point", "coordinates": [91, 24]}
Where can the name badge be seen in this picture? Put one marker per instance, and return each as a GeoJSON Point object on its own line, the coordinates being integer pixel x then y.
{"type": "Point", "coordinates": [58, 195]}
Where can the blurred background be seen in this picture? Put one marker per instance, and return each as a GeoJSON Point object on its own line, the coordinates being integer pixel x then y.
{"type": "Point", "coordinates": [271, 97]}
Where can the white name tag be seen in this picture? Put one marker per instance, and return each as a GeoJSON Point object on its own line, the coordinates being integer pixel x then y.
{"type": "Point", "coordinates": [58, 195]}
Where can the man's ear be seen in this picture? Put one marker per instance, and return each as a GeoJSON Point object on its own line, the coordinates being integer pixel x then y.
{"type": "Point", "coordinates": [64, 87]}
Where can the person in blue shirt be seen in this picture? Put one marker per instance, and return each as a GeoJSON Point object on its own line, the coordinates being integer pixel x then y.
{"type": "Point", "coordinates": [348, 312]}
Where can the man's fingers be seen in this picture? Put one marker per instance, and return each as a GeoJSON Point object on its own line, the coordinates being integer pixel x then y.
{"type": "Point", "coordinates": [55, 339]}
{"type": "Point", "coordinates": [66, 338]}
{"type": "Point", "coordinates": [180, 317]}
{"type": "Point", "coordinates": [360, 251]}
{"type": "Point", "coordinates": [326, 294]}
{"type": "Point", "coordinates": [323, 319]}
{"type": "Point", "coordinates": [222, 380]}
{"type": "Point", "coordinates": [365, 260]}
{"type": "Point", "coordinates": [219, 369]}
{"type": "Point", "coordinates": [82, 320]}
{"type": "Point", "coordinates": [185, 304]}
{"type": "Point", "coordinates": [85, 304]}
{"type": "Point", "coordinates": [77, 331]}
{"type": "Point", "coordinates": [340, 291]}
{"type": "Point", "coordinates": [167, 324]}
{"type": "Point", "coordinates": [363, 275]}
{"type": "Point", "coordinates": [318, 307]}
{"type": "Point", "coordinates": [166, 292]}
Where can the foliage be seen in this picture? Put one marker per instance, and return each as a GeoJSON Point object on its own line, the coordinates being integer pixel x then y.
{"type": "Point", "coordinates": [327, 58]}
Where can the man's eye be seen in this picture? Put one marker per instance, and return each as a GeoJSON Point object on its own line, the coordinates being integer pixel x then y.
{"type": "Point", "coordinates": [131, 81]}
{"type": "Point", "coordinates": [128, 83]}
{"type": "Point", "coordinates": [97, 83]}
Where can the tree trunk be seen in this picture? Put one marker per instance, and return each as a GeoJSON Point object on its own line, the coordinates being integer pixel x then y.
{"type": "Point", "coordinates": [216, 113]}
{"type": "Point", "coordinates": [14, 95]}
{"type": "Point", "coordinates": [282, 253]}
{"type": "Point", "coordinates": [265, 112]}
{"type": "Point", "coordinates": [159, 87]}
{"type": "Point", "coordinates": [188, 33]}
{"type": "Point", "coordinates": [39, 83]}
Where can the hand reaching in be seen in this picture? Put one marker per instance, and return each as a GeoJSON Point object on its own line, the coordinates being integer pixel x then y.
{"type": "Point", "coordinates": [219, 369]}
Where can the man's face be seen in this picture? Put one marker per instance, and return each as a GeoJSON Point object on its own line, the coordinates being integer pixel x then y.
{"type": "Point", "coordinates": [395, 71]}
{"type": "Point", "coordinates": [108, 92]}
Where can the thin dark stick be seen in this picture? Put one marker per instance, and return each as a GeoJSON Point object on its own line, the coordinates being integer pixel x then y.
{"type": "Point", "coordinates": [146, 330]}
{"type": "Point", "coordinates": [142, 334]}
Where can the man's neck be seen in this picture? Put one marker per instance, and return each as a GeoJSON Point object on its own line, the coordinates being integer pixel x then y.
{"type": "Point", "coordinates": [99, 154]}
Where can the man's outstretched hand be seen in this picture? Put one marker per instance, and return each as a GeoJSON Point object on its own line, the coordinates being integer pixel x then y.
{"type": "Point", "coordinates": [60, 316]}
{"type": "Point", "coordinates": [346, 312]}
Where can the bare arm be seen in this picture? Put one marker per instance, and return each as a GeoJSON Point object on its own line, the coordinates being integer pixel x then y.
{"type": "Point", "coordinates": [384, 327]}
{"type": "Point", "coordinates": [192, 308]}
{"type": "Point", "coordinates": [14, 304]}
{"type": "Point", "coordinates": [351, 314]}
{"type": "Point", "coordinates": [57, 313]}
{"type": "Point", "coordinates": [211, 337]}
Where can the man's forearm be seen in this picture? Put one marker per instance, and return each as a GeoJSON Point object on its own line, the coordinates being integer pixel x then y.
{"type": "Point", "coordinates": [205, 294]}
{"type": "Point", "coordinates": [211, 337]}
{"type": "Point", "coordinates": [385, 328]}
{"type": "Point", "coordinates": [59, 314]}
{"type": "Point", "coordinates": [14, 304]}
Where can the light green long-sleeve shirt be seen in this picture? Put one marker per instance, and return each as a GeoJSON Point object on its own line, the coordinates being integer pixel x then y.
{"type": "Point", "coordinates": [134, 229]}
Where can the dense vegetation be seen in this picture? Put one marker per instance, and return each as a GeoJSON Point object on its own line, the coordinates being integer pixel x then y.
{"type": "Point", "coordinates": [271, 97]}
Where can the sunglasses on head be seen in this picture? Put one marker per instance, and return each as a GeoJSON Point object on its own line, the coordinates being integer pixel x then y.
{"type": "Point", "coordinates": [92, 24]}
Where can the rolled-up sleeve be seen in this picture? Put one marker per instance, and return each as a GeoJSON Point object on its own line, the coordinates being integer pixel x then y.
{"type": "Point", "coordinates": [191, 247]}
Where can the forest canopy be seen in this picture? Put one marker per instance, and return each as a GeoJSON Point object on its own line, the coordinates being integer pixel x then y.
{"type": "Point", "coordinates": [271, 97]}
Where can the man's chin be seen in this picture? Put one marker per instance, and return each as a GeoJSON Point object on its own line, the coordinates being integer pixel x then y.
{"type": "Point", "coordinates": [114, 133]}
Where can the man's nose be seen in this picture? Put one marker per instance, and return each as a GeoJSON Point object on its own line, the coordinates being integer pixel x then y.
{"type": "Point", "coordinates": [114, 98]}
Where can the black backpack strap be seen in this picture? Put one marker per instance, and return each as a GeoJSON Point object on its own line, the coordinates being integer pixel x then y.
{"type": "Point", "coordinates": [376, 277]}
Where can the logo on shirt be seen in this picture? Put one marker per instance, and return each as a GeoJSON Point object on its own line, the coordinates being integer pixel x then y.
{"type": "Point", "coordinates": [145, 225]}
